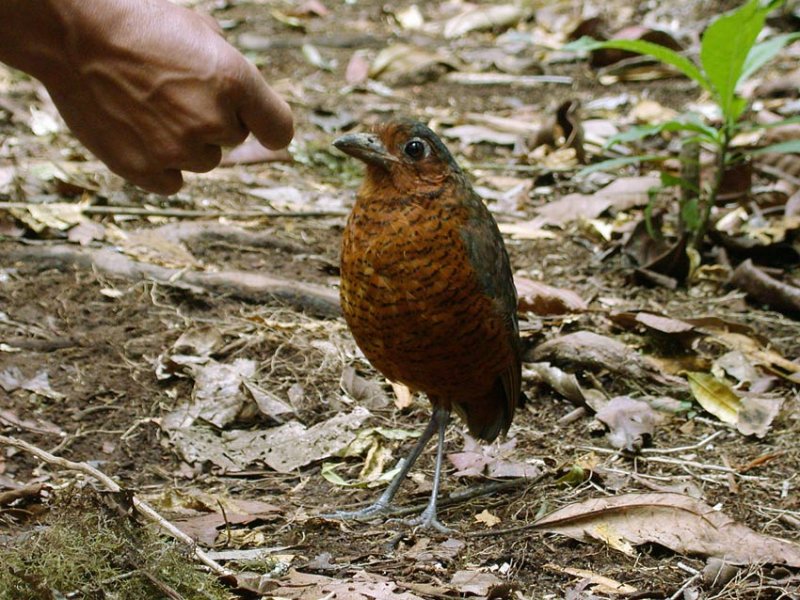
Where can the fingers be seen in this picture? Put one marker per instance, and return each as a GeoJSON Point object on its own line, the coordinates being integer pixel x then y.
{"type": "Point", "coordinates": [265, 113]}
{"type": "Point", "coordinates": [201, 160]}
{"type": "Point", "coordinates": [164, 183]}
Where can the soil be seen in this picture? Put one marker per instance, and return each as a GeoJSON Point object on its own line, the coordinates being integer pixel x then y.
{"type": "Point", "coordinates": [98, 339]}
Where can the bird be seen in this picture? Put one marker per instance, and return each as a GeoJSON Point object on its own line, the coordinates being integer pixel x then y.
{"type": "Point", "coordinates": [428, 293]}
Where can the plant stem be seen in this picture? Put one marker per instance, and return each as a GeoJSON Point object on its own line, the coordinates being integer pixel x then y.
{"type": "Point", "coordinates": [711, 198]}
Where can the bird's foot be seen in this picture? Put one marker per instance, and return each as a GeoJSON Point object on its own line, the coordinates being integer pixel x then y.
{"type": "Point", "coordinates": [373, 511]}
{"type": "Point", "coordinates": [427, 520]}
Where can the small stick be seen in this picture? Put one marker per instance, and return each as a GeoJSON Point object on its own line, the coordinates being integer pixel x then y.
{"type": "Point", "coordinates": [689, 582]}
{"type": "Point", "coordinates": [143, 507]}
{"type": "Point", "coordinates": [704, 442]}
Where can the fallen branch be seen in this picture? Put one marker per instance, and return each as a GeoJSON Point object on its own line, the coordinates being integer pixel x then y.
{"type": "Point", "coordinates": [253, 287]}
{"type": "Point", "coordinates": [182, 213]}
{"type": "Point", "coordinates": [143, 507]}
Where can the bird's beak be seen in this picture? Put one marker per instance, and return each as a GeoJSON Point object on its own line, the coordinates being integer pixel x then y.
{"type": "Point", "coordinates": [366, 147]}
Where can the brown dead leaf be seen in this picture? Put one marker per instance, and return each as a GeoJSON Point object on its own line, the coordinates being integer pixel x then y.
{"type": "Point", "coordinates": [543, 299]}
{"type": "Point", "coordinates": [493, 459]}
{"type": "Point", "coordinates": [623, 194]}
{"type": "Point", "coordinates": [401, 64]}
{"type": "Point", "coordinates": [599, 583]}
{"type": "Point", "coordinates": [757, 414]}
{"type": "Point", "coordinates": [759, 353]}
{"type": "Point", "coordinates": [475, 17]}
{"type": "Point", "coordinates": [677, 522]}
{"type": "Point", "coordinates": [475, 583]}
{"type": "Point", "coordinates": [565, 384]}
{"type": "Point", "coordinates": [487, 518]}
{"type": "Point", "coordinates": [403, 397]}
{"type": "Point", "coordinates": [766, 289]}
{"type": "Point", "coordinates": [588, 350]}
{"type": "Point", "coordinates": [630, 422]}
{"type": "Point", "coordinates": [357, 70]}
{"type": "Point", "coordinates": [366, 392]}
{"type": "Point", "coordinates": [361, 586]}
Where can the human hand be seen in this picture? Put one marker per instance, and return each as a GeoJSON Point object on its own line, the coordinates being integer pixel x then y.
{"type": "Point", "coordinates": [152, 88]}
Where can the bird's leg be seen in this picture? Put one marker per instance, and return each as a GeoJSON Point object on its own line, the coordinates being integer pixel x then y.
{"type": "Point", "coordinates": [382, 504]}
{"type": "Point", "coordinates": [428, 519]}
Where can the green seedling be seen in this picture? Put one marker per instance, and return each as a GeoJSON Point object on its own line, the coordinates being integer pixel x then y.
{"type": "Point", "coordinates": [729, 56]}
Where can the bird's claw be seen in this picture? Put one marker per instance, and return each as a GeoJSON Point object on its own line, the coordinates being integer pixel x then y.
{"type": "Point", "coordinates": [373, 511]}
{"type": "Point", "coordinates": [426, 520]}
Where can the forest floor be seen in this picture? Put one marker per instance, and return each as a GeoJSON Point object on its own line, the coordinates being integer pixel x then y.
{"type": "Point", "coordinates": [228, 404]}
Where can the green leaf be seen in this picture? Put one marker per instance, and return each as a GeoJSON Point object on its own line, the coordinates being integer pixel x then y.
{"type": "Point", "coordinates": [686, 122]}
{"type": "Point", "coordinates": [788, 147]}
{"type": "Point", "coordinates": [757, 126]}
{"type": "Point", "coordinates": [665, 55]}
{"type": "Point", "coordinates": [762, 53]}
{"type": "Point", "coordinates": [725, 46]}
{"type": "Point", "coordinates": [669, 180]}
{"type": "Point", "coordinates": [613, 163]}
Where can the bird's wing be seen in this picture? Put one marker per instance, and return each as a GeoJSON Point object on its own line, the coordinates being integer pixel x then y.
{"type": "Point", "coordinates": [489, 258]}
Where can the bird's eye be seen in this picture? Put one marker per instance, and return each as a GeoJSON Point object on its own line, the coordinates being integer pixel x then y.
{"type": "Point", "coordinates": [415, 149]}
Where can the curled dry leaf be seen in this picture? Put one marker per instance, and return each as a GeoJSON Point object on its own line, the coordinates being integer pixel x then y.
{"type": "Point", "coordinates": [766, 289]}
{"type": "Point", "coordinates": [588, 350]}
{"type": "Point", "coordinates": [12, 379]}
{"type": "Point", "coordinates": [630, 422]}
{"type": "Point", "coordinates": [543, 299]}
{"type": "Point", "coordinates": [564, 383]}
{"type": "Point", "coordinates": [487, 16]}
{"type": "Point", "coordinates": [474, 583]}
{"type": "Point", "coordinates": [492, 459]}
{"type": "Point", "coordinates": [677, 522]}
{"type": "Point", "coordinates": [599, 583]}
{"type": "Point", "coordinates": [401, 64]}
{"type": "Point", "coordinates": [623, 194]}
{"type": "Point", "coordinates": [715, 396]}
{"type": "Point", "coordinates": [364, 391]}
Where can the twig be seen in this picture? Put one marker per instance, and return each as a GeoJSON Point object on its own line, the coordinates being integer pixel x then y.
{"type": "Point", "coordinates": [688, 582]}
{"type": "Point", "coordinates": [704, 442]}
{"type": "Point", "coordinates": [505, 79]}
{"type": "Point", "coordinates": [181, 213]}
{"type": "Point", "coordinates": [143, 507]}
{"type": "Point", "coordinates": [673, 461]}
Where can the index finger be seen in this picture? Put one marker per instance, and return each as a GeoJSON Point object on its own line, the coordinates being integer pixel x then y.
{"type": "Point", "coordinates": [265, 113]}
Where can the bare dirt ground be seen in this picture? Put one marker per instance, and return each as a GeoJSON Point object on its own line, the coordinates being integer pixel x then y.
{"type": "Point", "coordinates": [106, 345]}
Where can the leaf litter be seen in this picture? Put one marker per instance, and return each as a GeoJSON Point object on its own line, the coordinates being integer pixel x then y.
{"type": "Point", "coordinates": [283, 374]}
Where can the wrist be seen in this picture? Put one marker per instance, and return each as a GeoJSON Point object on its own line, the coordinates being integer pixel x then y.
{"type": "Point", "coordinates": [32, 36]}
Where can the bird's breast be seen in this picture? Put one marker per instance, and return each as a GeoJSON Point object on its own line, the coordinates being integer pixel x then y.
{"type": "Point", "coordinates": [414, 302]}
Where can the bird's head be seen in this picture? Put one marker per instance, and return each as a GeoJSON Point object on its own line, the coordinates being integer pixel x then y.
{"type": "Point", "coordinates": [402, 155]}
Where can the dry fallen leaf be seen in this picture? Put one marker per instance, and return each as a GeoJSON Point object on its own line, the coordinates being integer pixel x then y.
{"type": "Point", "coordinates": [623, 194]}
{"type": "Point", "coordinates": [487, 518]}
{"type": "Point", "coordinates": [599, 583]}
{"type": "Point", "coordinates": [476, 459]}
{"type": "Point", "coordinates": [631, 422]}
{"type": "Point", "coordinates": [677, 522]}
{"type": "Point", "coordinates": [481, 17]}
{"type": "Point", "coordinates": [477, 583]}
{"type": "Point", "coordinates": [542, 299]}
{"type": "Point", "coordinates": [589, 350]}
{"type": "Point", "coordinates": [715, 396]}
